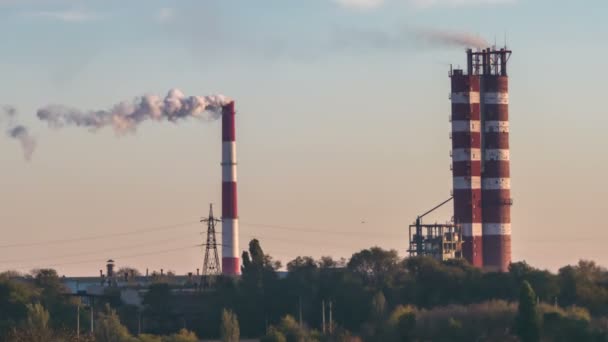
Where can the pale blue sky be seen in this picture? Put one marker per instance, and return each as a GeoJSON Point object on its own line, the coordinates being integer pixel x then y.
{"type": "Point", "coordinates": [343, 117]}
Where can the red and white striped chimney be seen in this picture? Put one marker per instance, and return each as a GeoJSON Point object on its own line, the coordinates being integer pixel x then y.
{"type": "Point", "coordinates": [230, 221]}
{"type": "Point", "coordinates": [466, 163]}
{"type": "Point", "coordinates": [496, 184]}
{"type": "Point", "coordinates": [480, 158]}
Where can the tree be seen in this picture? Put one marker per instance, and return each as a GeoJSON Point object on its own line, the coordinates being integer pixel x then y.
{"type": "Point", "coordinates": [127, 272]}
{"type": "Point", "coordinates": [401, 324]}
{"type": "Point", "coordinates": [229, 329]}
{"type": "Point", "coordinates": [527, 320]}
{"type": "Point", "coordinates": [182, 336]}
{"type": "Point", "coordinates": [109, 329]}
{"type": "Point", "coordinates": [375, 265]}
{"type": "Point", "coordinates": [14, 298]}
{"type": "Point", "coordinates": [36, 326]}
{"type": "Point", "coordinates": [149, 338]}
{"type": "Point", "coordinates": [158, 308]}
{"type": "Point", "coordinates": [292, 331]}
{"type": "Point", "coordinates": [9, 274]}
{"type": "Point", "coordinates": [259, 286]}
{"type": "Point", "coordinates": [273, 335]}
{"type": "Point", "coordinates": [37, 318]}
{"type": "Point", "coordinates": [378, 306]}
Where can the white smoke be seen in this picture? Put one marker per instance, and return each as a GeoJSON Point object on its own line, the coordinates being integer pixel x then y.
{"type": "Point", "coordinates": [17, 131]}
{"type": "Point", "coordinates": [124, 117]}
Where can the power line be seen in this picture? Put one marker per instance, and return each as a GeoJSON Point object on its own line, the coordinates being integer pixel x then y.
{"type": "Point", "coordinates": [63, 256]}
{"type": "Point", "coordinates": [164, 241]}
{"type": "Point", "coordinates": [298, 241]}
{"type": "Point", "coordinates": [97, 260]}
{"type": "Point", "coordinates": [97, 237]}
{"type": "Point", "coordinates": [314, 230]}
{"type": "Point", "coordinates": [189, 223]}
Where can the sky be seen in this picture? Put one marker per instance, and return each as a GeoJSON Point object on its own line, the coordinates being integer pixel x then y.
{"type": "Point", "coordinates": [342, 118]}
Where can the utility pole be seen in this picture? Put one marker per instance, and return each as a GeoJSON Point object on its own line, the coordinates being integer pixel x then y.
{"type": "Point", "coordinates": [331, 321]}
{"type": "Point", "coordinates": [78, 321]}
{"type": "Point", "coordinates": [300, 310]}
{"type": "Point", "coordinates": [323, 314]}
{"type": "Point", "coordinates": [138, 322]}
{"type": "Point", "coordinates": [211, 263]}
{"type": "Point", "coordinates": [92, 315]}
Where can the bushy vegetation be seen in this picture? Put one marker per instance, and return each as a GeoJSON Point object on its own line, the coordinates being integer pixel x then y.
{"type": "Point", "coordinates": [375, 296]}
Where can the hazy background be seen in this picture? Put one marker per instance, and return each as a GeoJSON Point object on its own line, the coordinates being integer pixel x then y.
{"type": "Point", "coordinates": [342, 118]}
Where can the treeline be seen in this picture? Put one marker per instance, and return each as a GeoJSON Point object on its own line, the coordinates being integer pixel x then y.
{"type": "Point", "coordinates": [375, 296]}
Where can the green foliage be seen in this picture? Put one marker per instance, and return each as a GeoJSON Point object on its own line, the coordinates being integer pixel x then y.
{"type": "Point", "coordinates": [273, 335]}
{"type": "Point", "coordinates": [377, 267]}
{"type": "Point", "coordinates": [258, 287]}
{"type": "Point", "coordinates": [292, 330]}
{"type": "Point", "coordinates": [182, 336]}
{"type": "Point", "coordinates": [149, 338]}
{"type": "Point", "coordinates": [375, 295]}
{"type": "Point", "coordinates": [14, 299]}
{"type": "Point", "coordinates": [230, 331]}
{"type": "Point", "coordinates": [527, 322]}
{"type": "Point", "coordinates": [400, 325]}
{"type": "Point", "coordinates": [109, 329]}
{"type": "Point", "coordinates": [584, 285]}
{"type": "Point", "coordinates": [158, 308]}
{"type": "Point", "coordinates": [487, 321]}
{"type": "Point", "coordinates": [378, 305]}
{"type": "Point", "coordinates": [288, 330]}
{"type": "Point", "coordinates": [36, 326]}
{"type": "Point", "coordinates": [37, 318]}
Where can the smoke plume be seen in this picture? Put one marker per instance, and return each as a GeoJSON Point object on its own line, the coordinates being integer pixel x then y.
{"type": "Point", "coordinates": [28, 143]}
{"type": "Point", "coordinates": [19, 132]}
{"type": "Point", "coordinates": [124, 117]}
{"type": "Point", "coordinates": [9, 111]}
{"type": "Point", "coordinates": [451, 38]}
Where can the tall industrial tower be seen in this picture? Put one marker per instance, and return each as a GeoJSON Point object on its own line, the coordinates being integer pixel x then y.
{"type": "Point", "coordinates": [466, 162]}
{"type": "Point", "coordinates": [230, 221]}
{"type": "Point", "coordinates": [480, 157]}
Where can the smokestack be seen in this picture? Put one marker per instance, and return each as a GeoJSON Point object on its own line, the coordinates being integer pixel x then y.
{"type": "Point", "coordinates": [230, 222]}
{"type": "Point", "coordinates": [466, 162]}
{"type": "Point", "coordinates": [110, 268]}
{"type": "Point", "coordinates": [480, 160]}
{"type": "Point", "coordinates": [496, 182]}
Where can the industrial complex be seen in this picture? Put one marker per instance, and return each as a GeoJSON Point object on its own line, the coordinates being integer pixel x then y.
{"type": "Point", "coordinates": [480, 230]}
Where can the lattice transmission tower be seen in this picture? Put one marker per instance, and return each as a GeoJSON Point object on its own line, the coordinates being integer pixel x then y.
{"type": "Point", "coordinates": [211, 263]}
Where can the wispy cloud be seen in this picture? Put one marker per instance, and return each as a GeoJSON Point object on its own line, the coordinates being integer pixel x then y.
{"type": "Point", "coordinates": [360, 4]}
{"type": "Point", "coordinates": [458, 3]}
{"type": "Point", "coordinates": [166, 14]}
{"type": "Point", "coordinates": [73, 16]}
{"type": "Point", "coordinates": [369, 4]}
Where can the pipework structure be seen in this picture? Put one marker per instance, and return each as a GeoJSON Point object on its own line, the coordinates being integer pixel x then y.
{"type": "Point", "coordinates": [480, 157]}
{"type": "Point", "coordinates": [230, 222]}
{"type": "Point", "coordinates": [439, 241]}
